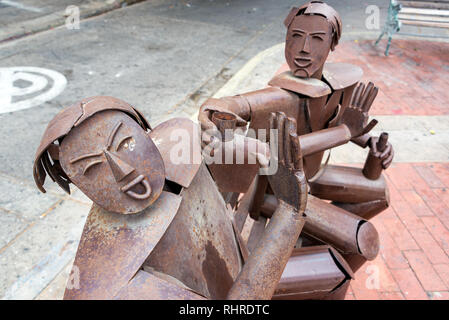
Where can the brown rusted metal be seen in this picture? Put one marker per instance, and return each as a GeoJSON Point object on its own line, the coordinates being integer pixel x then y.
{"type": "Point", "coordinates": [113, 247]}
{"type": "Point", "coordinates": [343, 230]}
{"type": "Point", "coordinates": [309, 86]}
{"type": "Point", "coordinates": [348, 185]}
{"type": "Point", "coordinates": [313, 273]}
{"type": "Point", "coordinates": [264, 267]}
{"type": "Point", "coordinates": [199, 247]}
{"type": "Point", "coordinates": [111, 159]}
{"type": "Point", "coordinates": [262, 271]}
{"type": "Point", "coordinates": [148, 286]}
{"type": "Point", "coordinates": [365, 210]}
{"type": "Point", "coordinates": [325, 100]}
{"type": "Point", "coordinates": [226, 124]}
{"type": "Point", "coordinates": [262, 184]}
{"type": "Point", "coordinates": [256, 233]}
{"type": "Point", "coordinates": [178, 141]}
{"type": "Point", "coordinates": [102, 139]}
{"type": "Point", "coordinates": [60, 126]}
{"type": "Point", "coordinates": [373, 164]}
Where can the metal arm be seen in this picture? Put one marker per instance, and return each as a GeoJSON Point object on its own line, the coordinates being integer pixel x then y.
{"type": "Point", "coordinates": [263, 270]}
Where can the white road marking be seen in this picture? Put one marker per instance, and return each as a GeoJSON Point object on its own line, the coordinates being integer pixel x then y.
{"type": "Point", "coordinates": [38, 79]}
{"type": "Point", "coordinates": [20, 6]}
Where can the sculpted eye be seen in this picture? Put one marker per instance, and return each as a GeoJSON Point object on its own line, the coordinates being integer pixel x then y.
{"type": "Point", "coordinates": [90, 165]}
{"type": "Point", "coordinates": [126, 143]}
{"type": "Point", "coordinates": [297, 35]}
{"type": "Point", "coordinates": [317, 36]}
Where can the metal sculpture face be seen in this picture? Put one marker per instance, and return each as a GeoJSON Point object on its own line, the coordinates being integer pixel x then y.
{"type": "Point", "coordinates": [114, 162]}
{"type": "Point", "coordinates": [308, 43]}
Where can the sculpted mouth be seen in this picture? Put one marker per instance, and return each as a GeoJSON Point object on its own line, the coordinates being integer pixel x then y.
{"type": "Point", "coordinates": [303, 62]}
{"type": "Point", "coordinates": [142, 180]}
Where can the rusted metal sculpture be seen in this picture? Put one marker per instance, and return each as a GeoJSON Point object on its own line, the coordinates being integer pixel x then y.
{"type": "Point", "coordinates": [330, 108]}
{"type": "Point", "coordinates": [159, 228]}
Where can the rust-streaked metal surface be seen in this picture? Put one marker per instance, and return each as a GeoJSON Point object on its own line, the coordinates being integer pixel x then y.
{"type": "Point", "coordinates": [341, 75]}
{"type": "Point", "coordinates": [147, 286]}
{"type": "Point", "coordinates": [60, 126]}
{"type": "Point", "coordinates": [312, 273]}
{"type": "Point", "coordinates": [324, 139]}
{"type": "Point", "coordinates": [262, 271]}
{"type": "Point", "coordinates": [113, 247]}
{"type": "Point", "coordinates": [244, 205]}
{"type": "Point", "coordinates": [256, 233]}
{"type": "Point", "coordinates": [178, 141]}
{"type": "Point", "coordinates": [347, 185]}
{"type": "Point", "coordinates": [226, 124]}
{"type": "Point", "coordinates": [312, 31]}
{"type": "Point", "coordinates": [264, 267]}
{"type": "Point", "coordinates": [373, 164]}
{"type": "Point", "coordinates": [237, 175]}
{"type": "Point", "coordinates": [264, 102]}
{"type": "Point", "coordinates": [310, 87]}
{"type": "Point", "coordinates": [113, 161]}
{"type": "Point", "coordinates": [233, 177]}
{"type": "Point", "coordinates": [356, 261]}
{"type": "Point", "coordinates": [365, 210]}
{"type": "Point", "coordinates": [262, 185]}
{"type": "Point", "coordinates": [343, 230]}
{"type": "Point", "coordinates": [199, 247]}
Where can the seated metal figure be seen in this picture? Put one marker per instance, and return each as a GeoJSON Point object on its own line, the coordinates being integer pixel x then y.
{"type": "Point", "coordinates": [330, 108]}
{"type": "Point", "coordinates": [158, 227]}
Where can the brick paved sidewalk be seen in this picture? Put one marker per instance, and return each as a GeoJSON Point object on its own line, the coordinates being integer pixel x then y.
{"type": "Point", "coordinates": [414, 232]}
{"type": "Point", "coordinates": [414, 256]}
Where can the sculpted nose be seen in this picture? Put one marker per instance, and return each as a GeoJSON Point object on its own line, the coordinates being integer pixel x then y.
{"type": "Point", "coordinates": [120, 169]}
{"type": "Point", "coordinates": [306, 45]}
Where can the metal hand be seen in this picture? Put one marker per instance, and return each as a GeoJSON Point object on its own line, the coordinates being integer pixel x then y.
{"type": "Point", "coordinates": [356, 116]}
{"type": "Point", "coordinates": [386, 155]}
{"type": "Point", "coordinates": [289, 184]}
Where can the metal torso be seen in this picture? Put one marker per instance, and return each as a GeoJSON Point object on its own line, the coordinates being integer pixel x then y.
{"type": "Point", "coordinates": [187, 236]}
{"type": "Point", "coordinates": [313, 103]}
{"type": "Point", "coordinates": [200, 248]}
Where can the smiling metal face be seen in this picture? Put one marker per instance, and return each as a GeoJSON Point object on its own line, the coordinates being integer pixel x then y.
{"type": "Point", "coordinates": [114, 162]}
{"type": "Point", "coordinates": [309, 40]}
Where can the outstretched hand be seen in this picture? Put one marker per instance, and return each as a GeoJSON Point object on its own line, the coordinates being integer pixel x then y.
{"type": "Point", "coordinates": [355, 117]}
{"type": "Point", "coordinates": [289, 183]}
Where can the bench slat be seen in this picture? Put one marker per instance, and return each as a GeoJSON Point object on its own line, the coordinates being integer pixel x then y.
{"type": "Point", "coordinates": [426, 5]}
{"type": "Point", "coordinates": [430, 12]}
{"type": "Point", "coordinates": [412, 17]}
{"type": "Point", "coordinates": [426, 24]}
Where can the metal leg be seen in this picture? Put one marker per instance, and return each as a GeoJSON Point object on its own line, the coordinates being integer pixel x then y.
{"type": "Point", "coordinates": [388, 46]}
{"type": "Point", "coordinates": [380, 37]}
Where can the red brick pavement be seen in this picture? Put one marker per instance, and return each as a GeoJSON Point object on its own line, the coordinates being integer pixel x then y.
{"type": "Point", "coordinates": [414, 235]}
{"type": "Point", "coordinates": [412, 80]}
{"type": "Point", "coordinates": [414, 232]}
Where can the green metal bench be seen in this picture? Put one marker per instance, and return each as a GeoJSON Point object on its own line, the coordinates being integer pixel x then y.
{"type": "Point", "coordinates": [423, 13]}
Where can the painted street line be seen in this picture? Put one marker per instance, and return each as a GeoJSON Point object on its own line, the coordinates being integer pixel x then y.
{"type": "Point", "coordinates": [38, 84]}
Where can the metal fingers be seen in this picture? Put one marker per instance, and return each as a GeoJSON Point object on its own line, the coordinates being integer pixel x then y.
{"type": "Point", "coordinates": [370, 125]}
{"type": "Point", "coordinates": [288, 142]}
{"type": "Point", "coordinates": [363, 97]}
